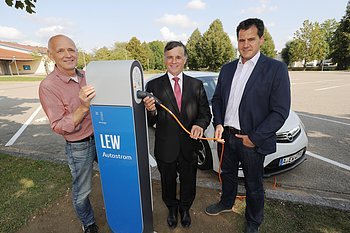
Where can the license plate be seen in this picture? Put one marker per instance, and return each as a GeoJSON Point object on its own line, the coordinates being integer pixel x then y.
{"type": "Point", "coordinates": [290, 159]}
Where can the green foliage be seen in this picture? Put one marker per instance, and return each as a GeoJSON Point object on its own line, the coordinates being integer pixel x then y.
{"type": "Point", "coordinates": [29, 5]}
{"type": "Point", "coordinates": [309, 43]}
{"type": "Point", "coordinates": [136, 50]}
{"type": "Point", "coordinates": [102, 54]}
{"type": "Point", "coordinates": [341, 42]}
{"type": "Point", "coordinates": [194, 50]}
{"type": "Point", "coordinates": [286, 53]}
{"type": "Point", "coordinates": [120, 52]}
{"type": "Point", "coordinates": [157, 48]}
{"type": "Point", "coordinates": [26, 187]}
{"type": "Point", "coordinates": [217, 46]}
{"type": "Point", "coordinates": [83, 59]}
{"type": "Point", "coordinates": [268, 48]}
{"type": "Point", "coordinates": [146, 57]}
{"type": "Point", "coordinates": [329, 26]}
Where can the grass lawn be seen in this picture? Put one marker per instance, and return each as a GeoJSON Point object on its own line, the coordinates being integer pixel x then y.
{"type": "Point", "coordinates": [28, 186]}
{"type": "Point", "coordinates": [21, 78]}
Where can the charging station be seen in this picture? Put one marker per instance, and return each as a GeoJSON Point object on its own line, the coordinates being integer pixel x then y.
{"type": "Point", "coordinates": [121, 137]}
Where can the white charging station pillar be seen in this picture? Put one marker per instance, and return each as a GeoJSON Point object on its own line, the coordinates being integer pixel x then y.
{"type": "Point", "coordinates": [120, 129]}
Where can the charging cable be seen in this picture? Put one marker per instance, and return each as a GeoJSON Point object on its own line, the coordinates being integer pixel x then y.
{"type": "Point", "coordinates": [143, 94]}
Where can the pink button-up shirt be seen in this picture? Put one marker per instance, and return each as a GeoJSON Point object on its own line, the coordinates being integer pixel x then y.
{"type": "Point", "coordinates": [59, 97]}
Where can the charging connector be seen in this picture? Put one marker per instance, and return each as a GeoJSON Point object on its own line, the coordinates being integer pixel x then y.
{"type": "Point", "coordinates": [143, 94]}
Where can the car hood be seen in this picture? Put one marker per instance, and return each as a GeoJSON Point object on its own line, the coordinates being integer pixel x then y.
{"type": "Point", "coordinates": [292, 122]}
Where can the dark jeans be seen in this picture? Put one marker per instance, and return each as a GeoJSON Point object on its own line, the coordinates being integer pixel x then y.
{"type": "Point", "coordinates": [253, 168]}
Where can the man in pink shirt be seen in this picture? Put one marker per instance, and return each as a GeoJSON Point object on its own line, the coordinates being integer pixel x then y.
{"type": "Point", "coordinates": [65, 98]}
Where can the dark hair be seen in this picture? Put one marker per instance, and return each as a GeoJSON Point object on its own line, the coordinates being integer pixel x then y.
{"type": "Point", "coordinates": [173, 44]}
{"type": "Point", "coordinates": [248, 23]}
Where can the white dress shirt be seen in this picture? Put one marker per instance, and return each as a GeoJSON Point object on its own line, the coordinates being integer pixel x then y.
{"type": "Point", "coordinates": [240, 79]}
{"type": "Point", "coordinates": [172, 82]}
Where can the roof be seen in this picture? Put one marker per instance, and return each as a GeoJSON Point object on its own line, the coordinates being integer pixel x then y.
{"type": "Point", "coordinates": [10, 55]}
{"type": "Point", "coordinates": [11, 51]}
{"type": "Point", "coordinates": [27, 48]}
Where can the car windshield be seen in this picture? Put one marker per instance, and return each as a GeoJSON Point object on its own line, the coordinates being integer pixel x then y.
{"type": "Point", "coordinates": [209, 83]}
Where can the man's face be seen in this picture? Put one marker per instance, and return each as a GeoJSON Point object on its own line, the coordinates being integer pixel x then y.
{"type": "Point", "coordinates": [175, 60]}
{"type": "Point", "coordinates": [249, 43]}
{"type": "Point", "coordinates": [64, 53]}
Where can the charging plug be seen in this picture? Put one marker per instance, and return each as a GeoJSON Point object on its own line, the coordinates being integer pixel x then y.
{"type": "Point", "coordinates": [143, 94]}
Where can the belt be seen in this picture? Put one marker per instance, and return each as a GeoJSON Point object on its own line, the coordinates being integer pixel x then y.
{"type": "Point", "coordinates": [233, 130]}
{"type": "Point", "coordinates": [89, 138]}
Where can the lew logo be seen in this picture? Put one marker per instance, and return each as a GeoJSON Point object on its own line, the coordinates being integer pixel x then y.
{"type": "Point", "coordinates": [110, 141]}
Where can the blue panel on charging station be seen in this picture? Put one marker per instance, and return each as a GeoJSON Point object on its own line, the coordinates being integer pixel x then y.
{"type": "Point", "coordinates": [117, 159]}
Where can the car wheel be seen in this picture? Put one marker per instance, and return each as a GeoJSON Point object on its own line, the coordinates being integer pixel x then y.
{"type": "Point", "coordinates": [205, 160]}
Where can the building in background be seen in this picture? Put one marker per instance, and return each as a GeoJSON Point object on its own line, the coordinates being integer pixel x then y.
{"type": "Point", "coordinates": [17, 59]}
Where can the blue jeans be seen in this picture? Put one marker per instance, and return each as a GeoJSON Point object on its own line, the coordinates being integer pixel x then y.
{"type": "Point", "coordinates": [253, 169]}
{"type": "Point", "coordinates": [81, 157]}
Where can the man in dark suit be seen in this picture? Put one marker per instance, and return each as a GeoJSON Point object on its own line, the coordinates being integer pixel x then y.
{"type": "Point", "coordinates": [174, 148]}
{"type": "Point", "coordinates": [250, 104]}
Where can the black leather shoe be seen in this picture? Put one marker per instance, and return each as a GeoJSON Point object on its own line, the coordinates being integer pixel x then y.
{"type": "Point", "coordinates": [185, 218]}
{"type": "Point", "coordinates": [172, 218]}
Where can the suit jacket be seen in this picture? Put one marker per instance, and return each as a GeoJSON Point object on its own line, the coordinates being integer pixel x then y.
{"type": "Point", "coordinates": [170, 138]}
{"type": "Point", "coordinates": [265, 101]}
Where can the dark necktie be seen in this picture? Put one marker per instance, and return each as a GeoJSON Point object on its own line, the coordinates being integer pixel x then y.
{"type": "Point", "coordinates": [177, 92]}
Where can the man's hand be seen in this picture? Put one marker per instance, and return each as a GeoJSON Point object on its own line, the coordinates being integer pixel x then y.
{"type": "Point", "coordinates": [219, 129]}
{"type": "Point", "coordinates": [196, 132]}
{"type": "Point", "coordinates": [86, 94]}
{"type": "Point", "coordinates": [150, 103]}
{"type": "Point", "coordinates": [246, 141]}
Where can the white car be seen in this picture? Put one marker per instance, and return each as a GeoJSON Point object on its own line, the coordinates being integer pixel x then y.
{"type": "Point", "coordinates": [291, 138]}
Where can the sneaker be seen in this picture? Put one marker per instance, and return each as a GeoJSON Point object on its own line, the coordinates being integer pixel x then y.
{"type": "Point", "coordinates": [93, 228]}
{"type": "Point", "coordinates": [217, 208]}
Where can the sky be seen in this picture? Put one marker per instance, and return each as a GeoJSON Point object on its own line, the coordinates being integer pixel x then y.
{"type": "Point", "coordinates": [95, 24]}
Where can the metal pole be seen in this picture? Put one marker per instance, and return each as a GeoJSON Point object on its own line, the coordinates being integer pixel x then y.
{"type": "Point", "coordinates": [14, 60]}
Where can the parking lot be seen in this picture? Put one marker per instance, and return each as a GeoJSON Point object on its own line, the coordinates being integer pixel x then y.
{"type": "Point", "coordinates": [321, 99]}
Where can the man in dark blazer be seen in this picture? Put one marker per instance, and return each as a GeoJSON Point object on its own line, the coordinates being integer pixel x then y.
{"type": "Point", "coordinates": [174, 148]}
{"type": "Point", "coordinates": [250, 104]}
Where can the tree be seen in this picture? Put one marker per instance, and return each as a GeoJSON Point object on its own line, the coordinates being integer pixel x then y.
{"type": "Point", "coordinates": [120, 52]}
{"type": "Point", "coordinates": [286, 53]}
{"type": "Point", "coordinates": [341, 42]}
{"type": "Point", "coordinates": [309, 43]}
{"type": "Point", "coordinates": [157, 48]}
{"type": "Point", "coordinates": [137, 51]}
{"type": "Point", "coordinates": [102, 54]}
{"type": "Point", "coordinates": [83, 59]}
{"type": "Point", "coordinates": [329, 26]}
{"type": "Point", "coordinates": [217, 46]}
{"type": "Point", "coordinates": [268, 48]}
{"type": "Point", "coordinates": [146, 57]}
{"type": "Point", "coordinates": [29, 5]}
{"type": "Point", "coordinates": [194, 50]}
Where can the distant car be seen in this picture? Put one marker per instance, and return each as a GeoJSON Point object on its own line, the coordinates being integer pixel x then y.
{"type": "Point", "coordinates": [291, 138]}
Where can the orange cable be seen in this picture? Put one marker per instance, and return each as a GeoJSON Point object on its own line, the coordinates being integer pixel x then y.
{"type": "Point", "coordinates": [203, 138]}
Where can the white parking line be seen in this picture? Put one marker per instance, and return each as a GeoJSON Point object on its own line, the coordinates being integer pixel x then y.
{"type": "Point", "coordinates": [24, 126]}
{"type": "Point", "coordinates": [312, 82]}
{"type": "Point", "coordinates": [324, 119]}
{"type": "Point", "coordinates": [346, 167]}
{"type": "Point", "coordinates": [326, 88]}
